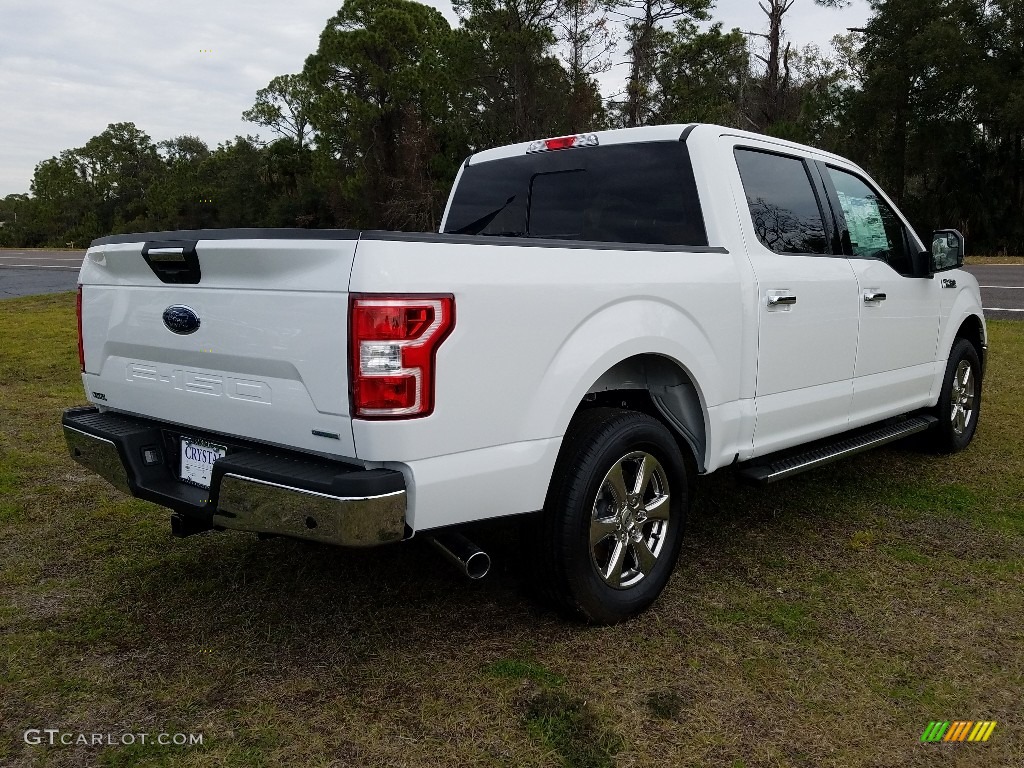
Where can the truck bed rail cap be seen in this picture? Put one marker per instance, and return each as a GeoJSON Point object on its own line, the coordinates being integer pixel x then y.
{"type": "Point", "coordinates": [535, 242]}
{"type": "Point", "coordinates": [243, 233]}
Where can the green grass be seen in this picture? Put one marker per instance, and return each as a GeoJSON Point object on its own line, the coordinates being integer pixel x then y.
{"type": "Point", "coordinates": [517, 669]}
{"type": "Point", "coordinates": [823, 622]}
{"type": "Point", "coordinates": [569, 727]}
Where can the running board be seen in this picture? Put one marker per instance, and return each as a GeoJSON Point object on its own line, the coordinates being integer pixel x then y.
{"type": "Point", "coordinates": [771, 469]}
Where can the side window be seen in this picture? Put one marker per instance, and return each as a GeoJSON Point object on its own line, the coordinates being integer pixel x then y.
{"type": "Point", "coordinates": [783, 206]}
{"type": "Point", "coordinates": [875, 230]}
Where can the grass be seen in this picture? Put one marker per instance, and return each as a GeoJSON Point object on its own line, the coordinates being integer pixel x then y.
{"type": "Point", "coordinates": [823, 622]}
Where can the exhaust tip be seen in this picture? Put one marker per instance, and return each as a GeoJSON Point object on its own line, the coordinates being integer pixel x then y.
{"type": "Point", "coordinates": [464, 554]}
{"type": "Point", "coordinates": [478, 565]}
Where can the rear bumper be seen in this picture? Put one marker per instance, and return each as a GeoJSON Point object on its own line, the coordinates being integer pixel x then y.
{"type": "Point", "coordinates": [253, 488]}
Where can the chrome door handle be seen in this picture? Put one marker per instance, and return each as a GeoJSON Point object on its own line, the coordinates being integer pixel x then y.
{"type": "Point", "coordinates": [871, 296]}
{"type": "Point", "coordinates": [775, 301]}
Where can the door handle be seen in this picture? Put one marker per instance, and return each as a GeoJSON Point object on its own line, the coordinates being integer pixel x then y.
{"type": "Point", "coordinates": [166, 254]}
{"type": "Point", "coordinates": [873, 296]}
{"type": "Point", "coordinates": [785, 299]}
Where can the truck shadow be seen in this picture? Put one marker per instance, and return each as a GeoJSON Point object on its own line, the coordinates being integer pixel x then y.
{"type": "Point", "coordinates": [283, 602]}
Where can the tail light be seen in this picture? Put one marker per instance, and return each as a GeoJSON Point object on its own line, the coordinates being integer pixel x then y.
{"type": "Point", "coordinates": [393, 342]}
{"type": "Point", "coordinates": [81, 346]}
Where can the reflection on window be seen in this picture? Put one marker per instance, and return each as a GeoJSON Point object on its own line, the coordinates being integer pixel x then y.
{"type": "Point", "coordinates": [875, 231]}
{"type": "Point", "coordinates": [783, 207]}
{"type": "Point", "coordinates": [945, 252]}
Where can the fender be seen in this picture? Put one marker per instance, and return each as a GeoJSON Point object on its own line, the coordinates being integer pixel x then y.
{"type": "Point", "coordinates": [965, 305]}
{"type": "Point", "coordinates": [614, 333]}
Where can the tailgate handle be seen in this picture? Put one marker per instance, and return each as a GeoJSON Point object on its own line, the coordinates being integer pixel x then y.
{"type": "Point", "coordinates": [173, 261]}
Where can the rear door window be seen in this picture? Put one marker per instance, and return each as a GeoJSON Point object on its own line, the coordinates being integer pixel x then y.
{"type": "Point", "coordinates": [783, 205]}
{"type": "Point", "coordinates": [621, 193]}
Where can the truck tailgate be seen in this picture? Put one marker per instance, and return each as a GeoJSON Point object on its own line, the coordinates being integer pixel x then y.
{"type": "Point", "coordinates": [268, 361]}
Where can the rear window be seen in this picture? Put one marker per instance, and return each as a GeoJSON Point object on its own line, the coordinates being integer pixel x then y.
{"type": "Point", "coordinates": [623, 193]}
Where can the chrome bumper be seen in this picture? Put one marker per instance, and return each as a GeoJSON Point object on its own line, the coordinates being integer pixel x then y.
{"type": "Point", "coordinates": [251, 490]}
{"type": "Point", "coordinates": [98, 454]}
{"type": "Point", "coordinates": [247, 504]}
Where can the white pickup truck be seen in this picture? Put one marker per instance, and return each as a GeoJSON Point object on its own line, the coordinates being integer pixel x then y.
{"type": "Point", "coordinates": [601, 317]}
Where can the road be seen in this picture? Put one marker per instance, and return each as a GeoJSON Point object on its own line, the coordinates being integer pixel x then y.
{"type": "Point", "coordinates": [1002, 290]}
{"type": "Point", "coordinates": [24, 273]}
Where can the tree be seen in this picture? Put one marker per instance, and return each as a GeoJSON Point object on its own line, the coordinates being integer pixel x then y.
{"type": "Point", "coordinates": [1000, 99]}
{"type": "Point", "coordinates": [823, 88]}
{"type": "Point", "coordinates": [517, 83]}
{"type": "Point", "coordinates": [928, 97]}
{"type": "Point", "coordinates": [777, 72]}
{"type": "Point", "coordinates": [235, 185]}
{"type": "Point", "coordinates": [100, 188]}
{"type": "Point", "coordinates": [701, 74]}
{"type": "Point", "coordinates": [179, 200]}
{"type": "Point", "coordinates": [920, 62]}
{"type": "Point", "coordinates": [283, 107]}
{"type": "Point", "coordinates": [20, 222]}
{"type": "Point", "coordinates": [586, 32]}
{"type": "Point", "coordinates": [120, 164]}
{"type": "Point", "coordinates": [381, 92]}
{"type": "Point", "coordinates": [647, 40]}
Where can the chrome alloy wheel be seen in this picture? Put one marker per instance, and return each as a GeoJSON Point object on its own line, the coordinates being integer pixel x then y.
{"type": "Point", "coordinates": [630, 520]}
{"type": "Point", "coordinates": [962, 397]}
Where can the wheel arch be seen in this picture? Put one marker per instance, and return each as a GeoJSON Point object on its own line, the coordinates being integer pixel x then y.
{"type": "Point", "coordinates": [661, 387]}
{"type": "Point", "coordinates": [615, 350]}
{"type": "Point", "coordinates": [965, 321]}
{"type": "Point", "coordinates": [973, 329]}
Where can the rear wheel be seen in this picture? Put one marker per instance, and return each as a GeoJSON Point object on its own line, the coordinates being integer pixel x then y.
{"type": "Point", "coordinates": [611, 528]}
{"type": "Point", "coordinates": [960, 400]}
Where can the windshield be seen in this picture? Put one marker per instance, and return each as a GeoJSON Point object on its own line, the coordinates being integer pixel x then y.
{"type": "Point", "coordinates": [623, 193]}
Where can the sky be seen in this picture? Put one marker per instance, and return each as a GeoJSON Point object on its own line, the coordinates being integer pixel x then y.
{"type": "Point", "coordinates": [69, 68]}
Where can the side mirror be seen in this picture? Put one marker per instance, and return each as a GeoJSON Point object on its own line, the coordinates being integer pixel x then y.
{"type": "Point", "coordinates": [947, 250]}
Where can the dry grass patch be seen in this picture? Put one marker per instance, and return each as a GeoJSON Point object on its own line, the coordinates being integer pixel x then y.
{"type": "Point", "coordinates": [979, 260]}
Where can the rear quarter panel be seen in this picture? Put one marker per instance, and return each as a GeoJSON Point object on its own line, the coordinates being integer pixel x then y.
{"type": "Point", "coordinates": [535, 328]}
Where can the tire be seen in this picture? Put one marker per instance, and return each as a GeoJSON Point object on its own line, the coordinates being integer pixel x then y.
{"type": "Point", "coordinates": [606, 547]}
{"type": "Point", "coordinates": [960, 400]}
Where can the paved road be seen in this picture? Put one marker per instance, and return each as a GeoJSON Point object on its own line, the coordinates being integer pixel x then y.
{"type": "Point", "coordinates": [1002, 290]}
{"type": "Point", "coordinates": [24, 273]}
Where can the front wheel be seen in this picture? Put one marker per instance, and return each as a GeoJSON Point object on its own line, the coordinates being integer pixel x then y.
{"type": "Point", "coordinates": [960, 400]}
{"type": "Point", "coordinates": [612, 525]}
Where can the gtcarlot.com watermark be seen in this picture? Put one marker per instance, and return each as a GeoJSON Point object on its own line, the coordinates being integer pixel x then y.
{"type": "Point", "coordinates": [54, 737]}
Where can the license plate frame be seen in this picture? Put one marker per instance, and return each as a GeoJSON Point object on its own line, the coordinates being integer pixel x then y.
{"type": "Point", "coordinates": [196, 466]}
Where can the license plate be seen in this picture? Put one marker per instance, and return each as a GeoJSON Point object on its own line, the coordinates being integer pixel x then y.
{"type": "Point", "coordinates": [197, 457]}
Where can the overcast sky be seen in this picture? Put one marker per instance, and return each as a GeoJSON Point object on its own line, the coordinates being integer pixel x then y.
{"type": "Point", "coordinates": [68, 68]}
